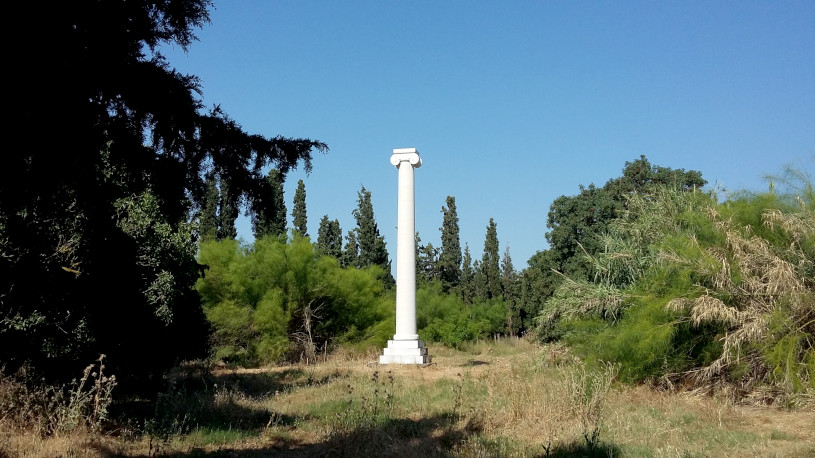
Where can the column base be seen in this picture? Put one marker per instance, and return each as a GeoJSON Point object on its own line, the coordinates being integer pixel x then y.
{"type": "Point", "coordinates": [405, 352]}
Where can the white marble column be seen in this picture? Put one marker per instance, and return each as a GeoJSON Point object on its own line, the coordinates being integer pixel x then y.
{"type": "Point", "coordinates": [405, 348]}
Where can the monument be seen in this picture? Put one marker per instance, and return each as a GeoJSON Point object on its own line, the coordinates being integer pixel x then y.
{"type": "Point", "coordinates": [405, 348]}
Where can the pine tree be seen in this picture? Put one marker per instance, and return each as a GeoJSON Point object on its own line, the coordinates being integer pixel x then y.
{"type": "Point", "coordinates": [227, 213]}
{"type": "Point", "coordinates": [208, 221]}
{"type": "Point", "coordinates": [449, 264]}
{"type": "Point", "coordinates": [489, 262]}
{"type": "Point", "coordinates": [372, 249]}
{"type": "Point", "coordinates": [270, 216]}
{"type": "Point", "coordinates": [298, 213]}
{"type": "Point", "coordinates": [329, 238]}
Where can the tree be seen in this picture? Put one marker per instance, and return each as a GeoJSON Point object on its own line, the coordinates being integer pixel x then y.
{"type": "Point", "coordinates": [298, 213]}
{"type": "Point", "coordinates": [577, 222]}
{"type": "Point", "coordinates": [489, 262]}
{"type": "Point", "coordinates": [450, 255]}
{"type": "Point", "coordinates": [227, 213]}
{"type": "Point", "coordinates": [467, 280]}
{"type": "Point", "coordinates": [270, 213]}
{"type": "Point", "coordinates": [510, 289]}
{"type": "Point", "coordinates": [329, 238]}
{"type": "Point", "coordinates": [350, 255]}
{"type": "Point", "coordinates": [427, 262]}
{"type": "Point", "coordinates": [98, 192]}
{"type": "Point", "coordinates": [371, 245]}
{"type": "Point", "coordinates": [208, 221]}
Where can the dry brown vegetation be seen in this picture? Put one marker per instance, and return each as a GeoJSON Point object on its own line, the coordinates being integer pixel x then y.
{"type": "Point", "coordinates": [510, 398]}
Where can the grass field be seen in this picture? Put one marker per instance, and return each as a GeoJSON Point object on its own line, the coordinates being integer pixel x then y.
{"type": "Point", "coordinates": [508, 398]}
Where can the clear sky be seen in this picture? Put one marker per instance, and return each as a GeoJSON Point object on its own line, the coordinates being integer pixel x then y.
{"type": "Point", "coordinates": [511, 104]}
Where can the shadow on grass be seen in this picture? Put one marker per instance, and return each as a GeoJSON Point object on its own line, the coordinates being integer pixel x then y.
{"type": "Point", "coordinates": [269, 383]}
{"type": "Point", "coordinates": [398, 437]}
{"type": "Point", "coordinates": [580, 449]}
{"type": "Point", "coordinates": [226, 401]}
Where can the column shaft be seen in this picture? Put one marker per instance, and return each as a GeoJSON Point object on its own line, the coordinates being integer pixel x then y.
{"type": "Point", "coordinates": [406, 257]}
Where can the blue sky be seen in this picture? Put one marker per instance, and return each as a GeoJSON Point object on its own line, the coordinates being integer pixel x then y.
{"type": "Point", "coordinates": [511, 104]}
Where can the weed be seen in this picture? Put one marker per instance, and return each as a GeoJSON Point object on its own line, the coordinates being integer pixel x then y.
{"type": "Point", "coordinates": [588, 392]}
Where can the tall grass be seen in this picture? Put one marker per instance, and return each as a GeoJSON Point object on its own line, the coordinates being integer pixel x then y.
{"type": "Point", "coordinates": [492, 398]}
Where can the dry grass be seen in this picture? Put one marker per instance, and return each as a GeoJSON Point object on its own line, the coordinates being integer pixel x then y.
{"type": "Point", "coordinates": [509, 398]}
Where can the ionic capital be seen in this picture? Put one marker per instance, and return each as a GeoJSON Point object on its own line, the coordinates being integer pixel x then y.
{"type": "Point", "coordinates": [406, 155]}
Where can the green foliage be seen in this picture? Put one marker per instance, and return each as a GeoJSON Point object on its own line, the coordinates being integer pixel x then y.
{"type": "Point", "coordinates": [718, 290]}
{"type": "Point", "coordinates": [329, 238]}
{"type": "Point", "coordinates": [490, 263]}
{"type": "Point", "coordinates": [208, 220]}
{"type": "Point", "coordinates": [371, 244]}
{"type": "Point", "coordinates": [270, 207]}
{"type": "Point", "coordinates": [298, 212]}
{"type": "Point", "coordinates": [98, 204]}
{"type": "Point", "coordinates": [450, 255]}
{"type": "Point", "coordinates": [427, 262]}
{"type": "Point", "coordinates": [227, 211]}
{"type": "Point", "coordinates": [443, 317]}
{"type": "Point", "coordinates": [577, 223]}
{"type": "Point", "coordinates": [279, 299]}
{"type": "Point", "coordinates": [467, 281]}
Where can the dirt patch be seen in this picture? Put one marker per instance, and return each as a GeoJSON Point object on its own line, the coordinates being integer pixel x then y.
{"type": "Point", "coordinates": [766, 420]}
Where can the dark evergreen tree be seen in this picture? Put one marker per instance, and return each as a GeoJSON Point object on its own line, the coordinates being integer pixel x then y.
{"type": "Point", "coordinates": [350, 255]}
{"type": "Point", "coordinates": [111, 147]}
{"type": "Point", "coordinates": [372, 249]}
{"type": "Point", "coordinates": [510, 289]}
{"type": "Point", "coordinates": [227, 213]}
{"type": "Point", "coordinates": [450, 255]}
{"type": "Point", "coordinates": [329, 237]}
{"type": "Point", "coordinates": [208, 221]}
{"type": "Point", "coordinates": [490, 263]}
{"type": "Point", "coordinates": [466, 283]}
{"type": "Point", "coordinates": [270, 214]}
{"type": "Point", "coordinates": [298, 212]}
{"type": "Point", "coordinates": [427, 262]}
{"type": "Point", "coordinates": [480, 290]}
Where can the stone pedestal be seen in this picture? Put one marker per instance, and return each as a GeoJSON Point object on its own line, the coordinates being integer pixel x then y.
{"type": "Point", "coordinates": [405, 352]}
{"type": "Point", "coordinates": [405, 348]}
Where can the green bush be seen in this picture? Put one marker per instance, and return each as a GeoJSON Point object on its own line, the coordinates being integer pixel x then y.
{"type": "Point", "coordinates": [279, 298]}
{"type": "Point", "coordinates": [727, 291]}
{"type": "Point", "coordinates": [445, 318]}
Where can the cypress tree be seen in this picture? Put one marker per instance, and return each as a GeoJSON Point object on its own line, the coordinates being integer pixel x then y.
{"type": "Point", "coordinates": [270, 217]}
{"type": "Point", "coordinates": [510, 288]}
{"type": "Point", "coordinates": [466, 281]}
{"type": "Point", "coordinates": [298, 213]}
{"type": "Point", "coordinates": [371, 245]}
{"type": "Point", "coordinates": [509, 277]}
{"type": "Point", "coordinates": [489, 262]}
{"type": "Point", "coordinates": [227, 212]}
{"type": "Point", "coordinates": [449, 264]}
{"type": "Point", "coordinates": [208, 221]}
{"type": "Point", "coordinates": [427, 262]}
{"type": "Point", "coordinates": [350, 255]}
{"type": "Point", "coordinates": [329, 237]}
